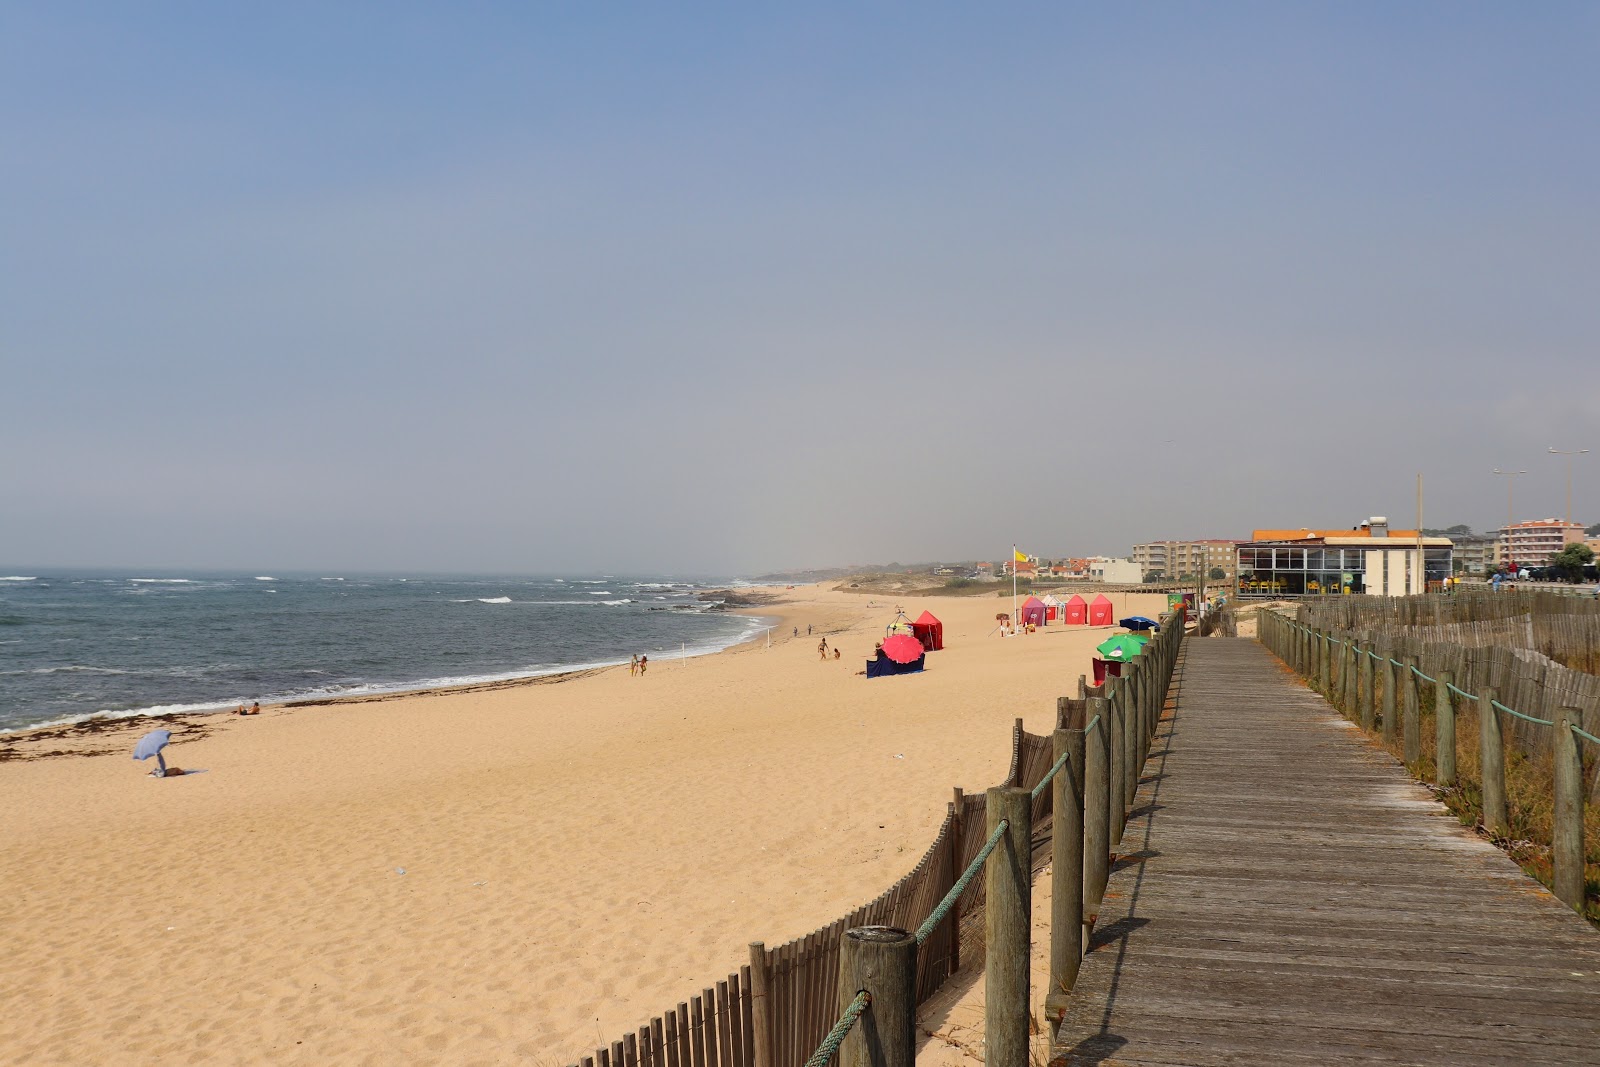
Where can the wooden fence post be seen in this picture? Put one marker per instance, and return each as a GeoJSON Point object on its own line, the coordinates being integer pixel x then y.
{"type": "Point", "coordinates": [1386, 669]}
{"type": "Point", "coordinates": [1368, 697]}
{"type": "Point", "coordinates": [1413, 713]}
{"type": "Point", "coordinates": [1066, 870]}
{"type": "Point", "coordinates": [1130, 745]}
{"type": "Point", "coordinates": [882, 960]}
{"type": "Point", "coordinates": [760, 1005]}
{"type": "Point", "coordinates": [1119, 763]}
{"type": "Point", "coordinates": [1444, 731]}
{"type": "Point", "coordinates": [1007, 923]}
{"type": "Point", "coordinates": [1492, 758]}
{"type": "Point", "coordinates": [957, 830]}
{"type": "Point", "coordinates": [1566, 845]}
{"type": "Point", "coordinates": [1096, 806]}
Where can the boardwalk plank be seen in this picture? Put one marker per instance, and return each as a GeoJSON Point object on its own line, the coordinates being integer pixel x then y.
{"type": "Point", "coordinates": [1289, 896]}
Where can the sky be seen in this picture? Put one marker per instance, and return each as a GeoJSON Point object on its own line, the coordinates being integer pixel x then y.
{"type": "Point", "coordinates": [707, 288]}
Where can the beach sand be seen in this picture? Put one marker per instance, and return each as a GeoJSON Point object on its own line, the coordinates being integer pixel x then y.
{"type": "Point", "coordinates": [510, 875]}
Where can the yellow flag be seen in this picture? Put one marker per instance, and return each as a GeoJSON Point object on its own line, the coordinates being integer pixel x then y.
{"type": "Point", "coordinates": [1022, 557]}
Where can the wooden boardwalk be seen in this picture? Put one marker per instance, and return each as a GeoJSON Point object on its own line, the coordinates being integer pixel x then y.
{"type": "Point", "coordinates": [1290, 896]}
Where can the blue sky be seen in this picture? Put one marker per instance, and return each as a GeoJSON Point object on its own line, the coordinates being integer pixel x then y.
{"type": "Point", "coordinates": [535, 287]}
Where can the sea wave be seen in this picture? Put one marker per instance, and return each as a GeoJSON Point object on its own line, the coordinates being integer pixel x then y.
{"type": "Point", "coordinates": [614, 603]}
{"type": "Point", "coordinates": [73, 668]}
{"type": "Point", "coordinates": [601, 592]}
{"type": "Point", "coordinates": [20, 578]}
{"type": "Point", "coordinates": [163, 581]}
{"type": "Point", "coordinates": [494, 600]}
{"type": "Point", "coordinates": [265, 578]}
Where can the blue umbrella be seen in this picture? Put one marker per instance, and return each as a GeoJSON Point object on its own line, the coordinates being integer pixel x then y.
{"type": "Point", "coordinates": [151, 744]}
{"type": "Point", "coordinates": [1139, 622]}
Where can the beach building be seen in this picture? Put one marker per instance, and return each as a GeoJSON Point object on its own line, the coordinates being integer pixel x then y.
{"type": "Point", "coordinates": [1370, 558]}
{"type": "Point", "coordinates": [1532, 543]}
{"type": "Point", "coordinates": [1173, 559]}
{"type": "Point", "coordinates": [1118, 571]}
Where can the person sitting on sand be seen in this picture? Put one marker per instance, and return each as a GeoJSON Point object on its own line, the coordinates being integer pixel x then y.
{"type": "Point", "coordinates": [836, 652]}
{"type": "Point", "coordinates": [879, 653]}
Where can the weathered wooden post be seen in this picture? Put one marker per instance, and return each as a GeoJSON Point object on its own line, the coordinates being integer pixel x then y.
{"type": "Point", "coordinates": [1492, 758]}
{"type": "Point", "coordinates": [957, 831]}
{"type": "Point", "coordinates": [1386, 670]}
{"type": "Point", "coordinates": [760, 1005]}
{"type": "Point", "coordinates": [882, 961]}
{"type": "Point", "coordinates": [1007, 924]}
{"type": "Point", "coordinates": [1444, 731]}
{"type": "Point", "coordinates": [1566, 844]}
{"type": "Point", "coordinates": [1413, 712]}
{"type": "Point", "coordinates": [1368, 685]}
{"type": "Point", "coordinates": [1119, 763]}
{"type": "Point", "coordinates": [1066, 869]}
{"type": "Point", "coordinates": [1130, 744]}
{"type": "Point", "coordinates": [1346, 676]}
{"type": "Point", "coordinates": [1083, 686]}
{"type": "Point", "coordinates": [1096, 810]}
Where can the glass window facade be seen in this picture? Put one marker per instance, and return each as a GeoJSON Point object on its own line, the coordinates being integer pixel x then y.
{"type": "Point", "coordinates": [1323, 570]}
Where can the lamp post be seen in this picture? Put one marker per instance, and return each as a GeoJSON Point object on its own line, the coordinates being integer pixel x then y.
{"type": "Point", "coordinates": [1580, 452]}
{"type": "Point", "coordinates": [1511, 481]}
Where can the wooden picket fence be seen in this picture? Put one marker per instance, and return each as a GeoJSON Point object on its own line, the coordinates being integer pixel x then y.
{"type": "Point", "coordinates": [785, 998]}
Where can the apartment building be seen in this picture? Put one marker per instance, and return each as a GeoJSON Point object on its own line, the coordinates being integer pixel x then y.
{"type": "Point", "coordinates": [1172, 559]}
{"type": "Point", "coordinates": [1532, 543]}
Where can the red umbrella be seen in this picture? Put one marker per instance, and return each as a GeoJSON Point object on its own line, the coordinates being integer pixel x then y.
{"type": "Point", "coordinates": [903, 648]}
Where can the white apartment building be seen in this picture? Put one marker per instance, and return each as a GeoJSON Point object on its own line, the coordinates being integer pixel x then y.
{"type": "Point", "coordinates": [1175, 558]}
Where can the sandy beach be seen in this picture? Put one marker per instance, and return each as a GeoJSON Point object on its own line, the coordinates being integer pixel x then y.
{"type": "Point", "coordinates": [507, 875]}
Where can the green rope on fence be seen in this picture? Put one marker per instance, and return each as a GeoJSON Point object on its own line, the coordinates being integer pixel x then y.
{"type": "Point", "coordinates": [1092, 724]}
{"type": "Point", "coordinates": [830, 1044]}
{"type": "Point", "coordinates": [1424, 677]}
{"type": "Point", "coordinates": [1055, 769]}
{"type": "Point", "coordinates": [938, 914]}
{"type": "Point", "coordinates": [1586, 735]}
{"type": "Point", "coordinates": [1462, 693]}
{"type": "Point", "coordinates": [1518, 714]}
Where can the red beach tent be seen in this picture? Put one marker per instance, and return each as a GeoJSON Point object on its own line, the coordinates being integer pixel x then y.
{"type": "Point", "coordinates": [1100, 611]}
{"type": "Point", "coordinates": [1077, 611]}
{"type": "Point", "coordinates": [1032, 612]}
{"type": "Point", "coordinates": [928, 630]}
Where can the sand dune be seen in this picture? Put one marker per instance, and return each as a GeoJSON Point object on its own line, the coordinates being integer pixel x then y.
{"type": "Point", "coordinates": [575, 857]}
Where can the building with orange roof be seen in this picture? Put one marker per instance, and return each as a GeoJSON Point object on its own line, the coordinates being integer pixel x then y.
{"type": "Point", "coordinates": [1532, 543]}
{"type": "Point", "coordinates": [1367, 558]}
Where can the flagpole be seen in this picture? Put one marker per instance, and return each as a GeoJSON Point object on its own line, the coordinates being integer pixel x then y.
{"type": "Point", "coordinates": [1014, 588]}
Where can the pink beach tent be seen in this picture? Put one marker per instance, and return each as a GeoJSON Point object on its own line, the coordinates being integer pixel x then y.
{"type": "Point", "coordinates": [1032, 612]}
{"type": "Point", "coordinates": [1100, 611]}
{"type": "Point", "coordinates": [1077, 611]}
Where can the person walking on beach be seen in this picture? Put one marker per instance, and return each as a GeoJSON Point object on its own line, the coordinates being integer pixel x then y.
{"type": "Point", "coordinates": [633, 668]}
{"type": "Point", "coordinates": [808, 629]}
{"type": "Point", "coordinates": [822, 649]}
{"type": "Point", "coordinates": [644, 661]}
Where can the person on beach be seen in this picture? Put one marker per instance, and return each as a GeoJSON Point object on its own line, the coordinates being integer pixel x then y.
{"type": "Point", "coordinates": [836, 652]}
{"type": "Point", "coordinates": [797, 631]}
{"type": "Point", "coordinates": [644, 662]}
{"type": "Point", "coordinates": [878, 653]}
{"type": "Point", "coordinates": [822, 649]}
{"type": "Point", "coordinates": [808, 629]}
{"type": "Point", "coordinates": [633, 668]}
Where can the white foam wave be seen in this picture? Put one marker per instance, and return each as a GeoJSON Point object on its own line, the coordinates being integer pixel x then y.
{"type": "Point", "coordinates": [333, 579]}
{"type": "Point", "coordinates": [494, 600]}
{"type": "Point", "coordinates": [74, 668]}
{"type": "Point", "coordinates": [589, 581]}
{"type": "Point", "coordinates": [163, 581]}
{"type": "Point", "coordinates": [19, 578]}
{"type": "Point", "coordinates": [614, 603]}
{"type": "Point", "coordinates": [265, 578]}
{"type": "Point", "coordinates": [601, 592]}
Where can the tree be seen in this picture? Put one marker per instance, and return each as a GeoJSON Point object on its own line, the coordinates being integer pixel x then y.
{"type": "Point", "coordinates": [1594, 531]}
{"type": "Point", "coordinates": [1571, 560]}
{"type": "Point", "coordinates": [1155, 576]}
{"type": "Point", "coordinates": [1216, 574]}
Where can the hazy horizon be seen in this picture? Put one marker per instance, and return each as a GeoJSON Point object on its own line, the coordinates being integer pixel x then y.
{"type": "Point", "coordinates": [736, 291]}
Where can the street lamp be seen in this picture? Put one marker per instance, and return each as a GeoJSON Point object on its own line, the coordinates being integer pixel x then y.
{"type": "Point", "coordinates": [1511, 481]}
{"type": "Point", "coordinates": [1580, 452]}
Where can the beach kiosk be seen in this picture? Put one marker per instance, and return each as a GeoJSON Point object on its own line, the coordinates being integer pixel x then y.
{"type": "Point", "coordinates": [1032, 612]}
{"type": "Point", "coordinates": [1077, 611]}
{"type": "Point", "coordinates": [1100, 613]}
{"type": "Point", "coordinates": [928, 630]}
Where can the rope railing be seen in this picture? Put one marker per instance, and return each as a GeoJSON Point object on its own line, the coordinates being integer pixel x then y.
{"type": "Point", "coordinates": [938, 914]}
{"type": "Point", "coordinates": [1044, 783]}
{"type": "Point", "coordinates": [1462, 693]}
{"type": "Point", "coordinates": [1520, 715]}
{"type": "Point", "coordinates": [841, 1029]}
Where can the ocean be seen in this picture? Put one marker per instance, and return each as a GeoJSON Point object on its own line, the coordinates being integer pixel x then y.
{"type": "Point", "coordinates": [75, 645]}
